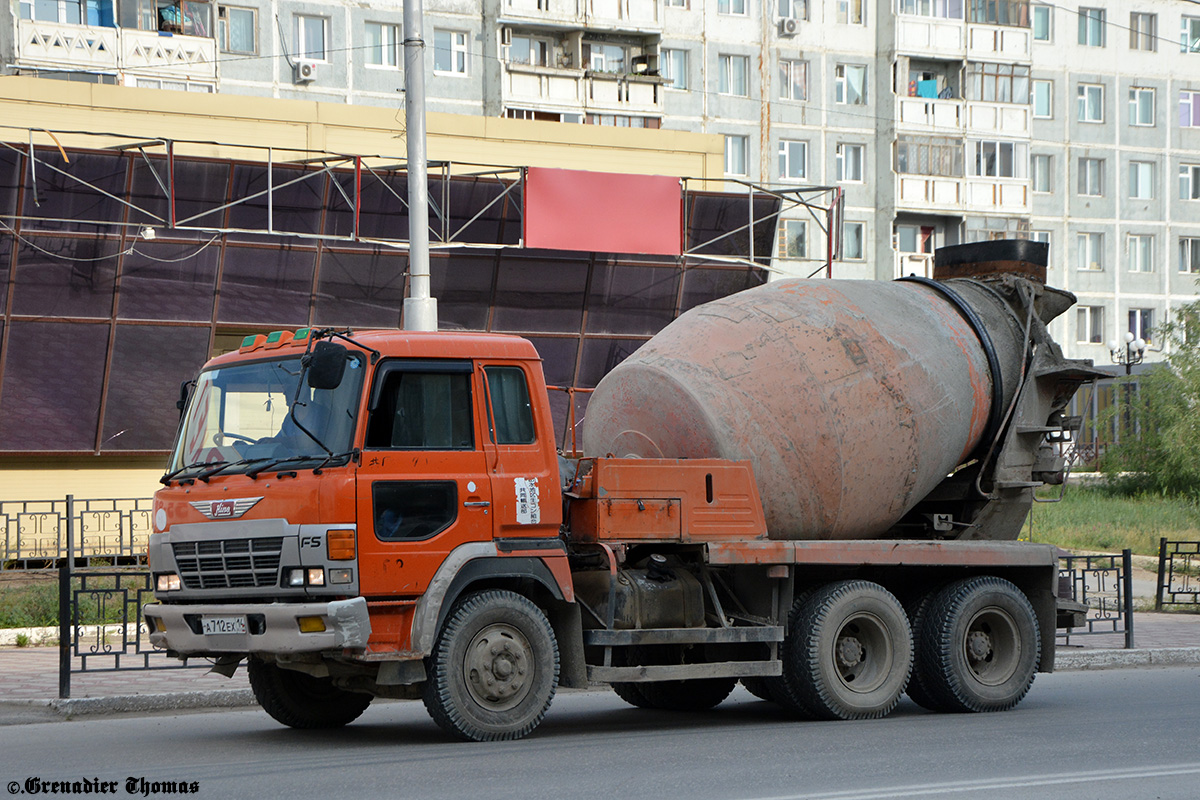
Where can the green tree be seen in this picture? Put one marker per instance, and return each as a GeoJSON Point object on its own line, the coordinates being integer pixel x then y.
{"type": "Point", "coordinates": [1160, 450]}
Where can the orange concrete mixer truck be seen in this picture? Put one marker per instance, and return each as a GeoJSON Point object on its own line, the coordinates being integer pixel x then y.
{"type": "Point", "coordinates": [813, 487]}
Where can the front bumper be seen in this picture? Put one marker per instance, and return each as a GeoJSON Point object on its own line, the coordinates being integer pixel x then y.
{"type": "Point", "coordinates": [273, 627]}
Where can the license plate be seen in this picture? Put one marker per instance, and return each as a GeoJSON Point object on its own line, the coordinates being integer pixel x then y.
{"type": "Point", "coordinates": [211, 625]}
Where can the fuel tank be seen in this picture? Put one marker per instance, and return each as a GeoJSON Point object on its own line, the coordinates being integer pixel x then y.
{"type": "Point", "coordinates": [852, 399]}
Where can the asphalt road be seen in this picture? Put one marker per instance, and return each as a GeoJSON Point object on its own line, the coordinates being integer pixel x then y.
{"type": "Point", "coordinates": [1113, 734]}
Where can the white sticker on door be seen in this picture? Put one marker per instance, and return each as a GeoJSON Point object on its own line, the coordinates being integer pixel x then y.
{"type": "Point", "coordinates": [529, 510]}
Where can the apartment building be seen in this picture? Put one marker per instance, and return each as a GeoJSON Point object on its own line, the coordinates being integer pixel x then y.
{"type": "Point", "coordinates": [941, 121]}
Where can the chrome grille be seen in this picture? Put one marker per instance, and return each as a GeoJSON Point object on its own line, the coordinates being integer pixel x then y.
{"type": "Point", "coordinates": [229, 563]}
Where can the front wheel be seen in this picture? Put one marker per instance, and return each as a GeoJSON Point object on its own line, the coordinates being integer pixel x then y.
{"type": "Point", "coordinates": [979, 647]}
{"type": "Point", "coordinates": [494, 668]}
{"type": "Point", "coordinates": [302, 701]}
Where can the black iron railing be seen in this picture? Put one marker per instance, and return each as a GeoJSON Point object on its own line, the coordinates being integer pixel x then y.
{"type": "Point", "coordinates": [1178, 574]}
{"type": "Point", "coordinates": [1103, 583]}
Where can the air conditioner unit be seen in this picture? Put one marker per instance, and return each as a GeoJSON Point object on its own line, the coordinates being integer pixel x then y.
{"type": "Point", "coordinates": [788, 27]}
{"type": "Point", "coordinates": [304, 72]}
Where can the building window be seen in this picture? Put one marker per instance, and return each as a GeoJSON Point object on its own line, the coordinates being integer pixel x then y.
{"type": "Point", "coordinates": [1189, 37]}
{"type": "Point", "coordinates": [853, 234]}
{"type": "Point", "coordinates": [169, 16]}
{"type": "Point", "coordinates": [383, 45]}
{"type": "Point", "coordinates": [310, 37]}
{"type": "Point", "coordinates": [450, 54]}
{"type": "Point", "coordinates": [1141, 106]}
{"type": "Point", "coordinates": [793, 79]}
{"type": "Point", "coordinates": [1089, 324]}
{"type": "Point", "coordinates": [1189, 109]}
{"type": "Point", "coordinates": [731, 7]}
{"type": "Point", "coordinates": [1143, 31]}
{"type": "Point", "coordinates": [792, 239]}
{"type": "Point", "coordinates": [1088, 247]}
{"type": "Point", "coordinates": [946, 9]}
{"type": "Point", "coordinates": [929, 155]}
{"type": "Point", "coordinates": [998, 83]}
{"type": "Point", "coordinates": [793, 160]}
{"type": "Point", "coordinates": [1043, 92]}
{"type": "Point", "coordinates": [675, 68]}
{"type": "Point", "coordinates": [1141, 323]}
{"type": "Point", "coordinates": [1091, 177]}
{"type": "Point", "coordinates": [850, 82]}
{"type": "Point", "coordinates": [733, 75]}
{"type": "Point", "coordinates": [793, 9]}
{"type": "Point", "coordinates": [675, 3]}
{"type": "Point", "coordinates": [1141, 252]}
{"type": "Point", "coordinates": [1189, 181]}
{"type": "Point", "coordinates": [850, 163]}
{"type": "Point", "coordinates": [237, 29]}
{"type": "Point", "coordinates": [1041, 23]}
{"type": "Point", "coordinates": [1041, 173]}
{"type": "Point", "coordinates": [1091, 27]}
{"type": "Point", "coordinates": [529, 50]}
{"type": "Point", "coordinates": [602, 57]}
{"type": "Point", "coordinates": [1141, 180]}
{"type": "Point", "coordinates": [852, 12]}
{"type": "Point", "coordinates": [1189, 254]}
{"type": "Point", "coordinates": [613, 120]}
{"type": "Point", "coordinates": [1091, 102]}
{"type": "Point", "coordinates": [1000, 159]}
{"type": "Point", "coordinates": [1014, 13]}
{"type": "Point", "coordinates": [736, 156]}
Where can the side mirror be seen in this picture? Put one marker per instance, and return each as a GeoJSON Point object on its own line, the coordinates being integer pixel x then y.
{"type": "Point", "coordinates": [326, 365]}
{"type": "Point", "coordinates": [185, 390]}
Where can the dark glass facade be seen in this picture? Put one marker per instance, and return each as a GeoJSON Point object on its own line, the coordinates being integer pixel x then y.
{"type": "Point", "coordinates": [100, 324]}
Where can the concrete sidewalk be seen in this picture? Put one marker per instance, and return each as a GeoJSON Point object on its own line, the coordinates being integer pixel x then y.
{"type": "Point", "coordinates": [29, 676]}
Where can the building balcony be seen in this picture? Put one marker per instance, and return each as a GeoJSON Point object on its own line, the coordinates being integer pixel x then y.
{"type": "Point", "coordinates": [930, 193]}
{"type": "Point", "coordinates": [999, 43]}
{"type": "Point", "coordinates": [1006, 119]}
{"type": "Point", "coordinates": [1009, 195]}
{"type": "Point", "coordinates": [919, 264]}
{"type": "Point", "coordinates": [52, 45]}
{"type": "Point", "coordinates": [580, 91]}
{"type": "Point", "coordinates": [615, 15]}
{"type": "Point", "coordinates": [933, 37]}
{"type": "Point", "coordinates": [929, 115]}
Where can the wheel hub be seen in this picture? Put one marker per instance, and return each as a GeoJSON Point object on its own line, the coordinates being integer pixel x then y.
{"type": "Point", "coordinates": [850, 651]}
{"type": "Point", "coordinates": [979, 646]}
{"type": "Point", "coordinates": [497, 667]}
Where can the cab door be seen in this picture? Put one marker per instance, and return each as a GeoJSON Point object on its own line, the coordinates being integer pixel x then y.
{"type": "Point", "coordinates": [423, 486]}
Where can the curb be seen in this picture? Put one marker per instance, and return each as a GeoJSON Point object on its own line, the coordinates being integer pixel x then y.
{"type": "Point", "coordinates": [120, 704]}
{"type": "Point", "coordinates": [1124, 659]}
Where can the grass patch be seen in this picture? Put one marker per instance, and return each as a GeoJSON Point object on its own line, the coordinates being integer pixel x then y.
{"type": "Point", "coordinates": [1093, 519]}
{"type": "Point", "coordinates": [34, 604]}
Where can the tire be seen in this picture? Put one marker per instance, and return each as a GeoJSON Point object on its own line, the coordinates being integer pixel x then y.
{"type": "Point", "coordinates": [631, 693]}
{"type": "Point", "coordinates": [494, 668]}
{"type": "Point", "coordinates": [759, 687]}
{"type": "Point", "coordinates": [918, 616]}
{"type": "Point", "coordinates": [981, 646]}
{"type": "Point", "coordinates": [700, 694]}
{"type": "Point", "coordinates": [302, 701]}
{"type": "Point", "coordinates": [849, 652]}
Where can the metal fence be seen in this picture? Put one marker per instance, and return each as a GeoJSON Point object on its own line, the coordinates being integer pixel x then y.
{"type": "Point", "coordinates": [114, 531]}
{"type": "Point", "coordinates": [1178, 574]}
{"type": "Point", "coordinates": [1105, 585]}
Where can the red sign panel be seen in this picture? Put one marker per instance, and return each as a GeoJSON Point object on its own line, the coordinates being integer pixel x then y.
{"type": "Point", "coordinates": [568, 209]}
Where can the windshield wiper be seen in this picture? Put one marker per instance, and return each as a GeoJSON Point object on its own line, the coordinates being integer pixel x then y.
{"type": "Point", "coordinates": [275, 462]}
{"type": "Point", "coordinates": [224, 465]}
{"type": "Point", "coordinates": [165, 480]}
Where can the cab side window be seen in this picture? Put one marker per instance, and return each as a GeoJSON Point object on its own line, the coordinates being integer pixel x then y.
{"type": "Point", "coordinates": [422, 411]}
{"type": "Point", "coordinates": [512, 414]}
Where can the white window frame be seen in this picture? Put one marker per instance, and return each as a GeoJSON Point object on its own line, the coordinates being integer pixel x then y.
{"type": "Point", "coordinates": [540, 50]}
{"type": "Point", "coordinates": [1143, 31]}
{"type": "Point", "coordinates": [1041, 166]}
{"type": "Point", "coordinates": [1038, 91]}
{"type": "Point", "coordinates": [1137, 96]}
{"type": "Point", "coordinates": [1141, 180]}
{"type": "Point", "coordinates": [737, 148]}
{"type": "Point", "coordinates": [1048, 13]}
{"type": "Point", "coordinates": [223, 27]}
{"type": "Point", "coordinates": [1189, 34]}
{"type": "Point", "coordinates": [1092, 27]}
{"type": "Point", "coordinates": [457, 45]}
{"type": "Point", "coordinates": [793, 9]}
{"type": "Point", "coordinates": [1189, 109]}
{"type": "Point", "coordinates": [387, 47]}
{"type": "Point", "coordinates": [675, 3]}
{"type": "Point", "coordinates": [303, 21]}
{"type": "Point", "coordinates": [1140, 247]}
{"type": "Point", "coordinates": [733, 8]}
{"type": "Point", "coordinates": [674, 64]}
{"type": "Point", "coordinates": [787, 78]}
{"type": "Point", "coordinates": [603, 57]}
{"type": "Point", "coordinates": [792, 231]}
{"type": "Point", "coordinates": [1090, 180]}
{"type": "Point", "coordinates": [1090, 103]}
{"type": "Point", "coordinates": [793, 160]}
{"type": "Point", "coordinates": [1141, 323]}
{"type": "Point", "coordinates": [1039, 236]}
{"type": "Point", "coordinates": [850, 169]}
{"type": "Point", "coordinates": [854, 246]}
{"type": "Point", "coordinates": [852, 12]}
{"type": "Point", "coordinates": [1089, 324]}
{"type": "Point", "coordinates": [1189, 255]}
{"type": "Point", "coordinates": [726, 75]}
{"type": "Point", "coordinates": [1189, 181]}
{"type": "Point", "coordinates": [842, 85]}
{"type": "Point", "coordinates": [988, 157]}
{"type": "Point", "coordinates": [1089, 251]}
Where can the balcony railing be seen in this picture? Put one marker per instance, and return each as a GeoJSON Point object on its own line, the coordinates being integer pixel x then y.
{"type": "Point", "coordinates": [928, 114]}
{"type": "Point", "coordinates": [919, 264]}
{"type": "Point", "coordinates": [1009, 119]}
{"type": "Point", "coordinates": [579, 91]}
{"type": "Point", "coordinates": [992, 42]}
{"type": "Point", "coordinates": [942, 195]}
{"type": "Point", "coordinates": [935, 36]}
{"type": "Point", "coordinates": [622, 15]}
{"type": "Point", "coordinates": [990, 194]}
{"type": "Point", "coordinates": [52, 45]}
{"type": "Point", "coordinates": [931, 193]}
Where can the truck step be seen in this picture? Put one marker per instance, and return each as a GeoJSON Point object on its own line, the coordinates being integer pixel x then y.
{"type": "Point", "coordinates": [765, 633]}
{"type": "Point", "coordinates": [683, 672]}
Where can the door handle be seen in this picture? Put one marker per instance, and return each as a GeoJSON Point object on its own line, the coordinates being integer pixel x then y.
{"type": "Point", "coordinates": [476, 504]}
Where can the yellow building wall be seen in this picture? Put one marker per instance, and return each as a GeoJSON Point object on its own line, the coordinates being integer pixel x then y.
{"type": "Point", "coordinates": [50, 478]}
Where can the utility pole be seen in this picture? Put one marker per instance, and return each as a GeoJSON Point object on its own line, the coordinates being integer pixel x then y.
{"type": "Point", "coordinates": [420, 307]}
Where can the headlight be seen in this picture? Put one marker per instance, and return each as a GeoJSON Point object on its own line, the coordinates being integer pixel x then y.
{"type": "Point", "coordinates": [295, 577]}
{"type": "Point", "coordinates": [168, 582]}
{"type": "Point", "coordinates": [316, 576]}
{"type": "Point", "coordinates": [310, 576]}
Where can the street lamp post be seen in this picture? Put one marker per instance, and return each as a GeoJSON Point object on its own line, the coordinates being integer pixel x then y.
{"type": "Point", "coordinates": [1132, 352]}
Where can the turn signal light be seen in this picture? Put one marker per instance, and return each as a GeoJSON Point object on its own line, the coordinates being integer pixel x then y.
{"type": "Point", "coordinates": [311, 624]}
{"type": "Point", "coordinates": [339, 545]}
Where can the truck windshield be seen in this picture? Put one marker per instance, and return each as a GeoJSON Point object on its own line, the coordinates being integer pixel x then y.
{"type": "Point", "coordinates": [239, 416]}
